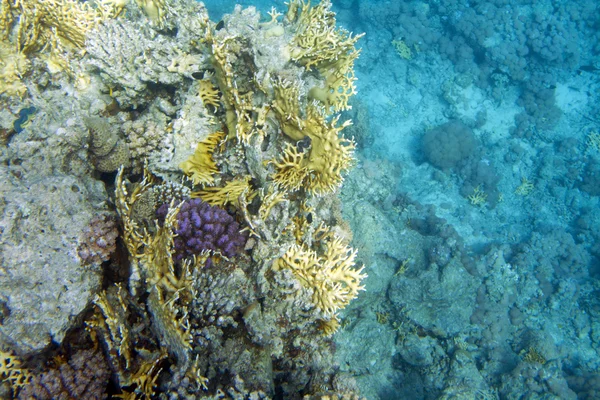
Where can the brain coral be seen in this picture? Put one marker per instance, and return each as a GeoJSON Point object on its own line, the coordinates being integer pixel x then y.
{"type": "Point", "coordinates": [200, 227]}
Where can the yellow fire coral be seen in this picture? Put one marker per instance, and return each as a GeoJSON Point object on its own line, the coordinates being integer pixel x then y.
{"type": "Point", "coordinates": [200, 166]}
{"type": "Point", "coordinates": [41, 21]}
{"type": "Point", "coordinates": [331, 276]}
{"type": "Point", "coordinates": [339, 85]}
{"type": "Point", "coordinates": [153, 268]}
{"type": "Point", "coordinates": [220, 196]}
{"type": "Point", "coordinates": [330, 155]}
{"type": "Point", "coordinates": [11, 370]}
{"type": "Point", "coordinates": [319, 43]}
{"type": "Point", "coordinates": [208, 94]}
{"type": "Point", "coordinates": [156, 10]}
{"type": "Point", "coordinates": [13, 65]}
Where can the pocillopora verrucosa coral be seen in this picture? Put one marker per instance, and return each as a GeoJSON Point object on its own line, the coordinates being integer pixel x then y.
{"type": "Point", "coordinates": [229, 152]}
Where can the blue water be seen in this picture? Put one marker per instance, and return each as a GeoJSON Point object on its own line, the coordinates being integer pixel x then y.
{"type": "Point", "coordinates": [474, 203]}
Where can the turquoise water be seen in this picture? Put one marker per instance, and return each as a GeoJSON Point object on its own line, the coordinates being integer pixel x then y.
{"type": "Point", "coordinates": [474, 203]}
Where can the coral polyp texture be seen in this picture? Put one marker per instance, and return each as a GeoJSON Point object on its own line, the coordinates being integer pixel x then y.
{"type": "Point", "coordinates": [202, 227]}
{"type": "Point", "coordinates": [221, 274]}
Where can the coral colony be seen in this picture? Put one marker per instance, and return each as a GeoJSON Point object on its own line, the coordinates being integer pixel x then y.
{"type": "Point", "coordinates": [202, 227]}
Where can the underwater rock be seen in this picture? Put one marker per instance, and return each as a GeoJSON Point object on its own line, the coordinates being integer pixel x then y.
{"type": "Point", "coordinates": [107, 149]}
{"type": "Point", "coordinates": [43, 282]}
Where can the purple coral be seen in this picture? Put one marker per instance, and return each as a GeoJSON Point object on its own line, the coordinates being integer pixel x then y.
{"type": "Point", "coordinates": [201, 226]}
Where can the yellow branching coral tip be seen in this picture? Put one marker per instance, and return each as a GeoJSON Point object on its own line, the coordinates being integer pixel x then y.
{"type": "Point", "coordinates": [329, 326]}
{"type": "Point", "coordinates": [270, 200]}
{"type": "Point", "coordinates": [330, 155]}
{"type": "Point", "coordinates": [201, 167]}
{"type": "Point", "coordinates": [318, 40]}
{"type": "Point", "coordinates": [220, 196]}
{"type": "Point", "coordinates": [208, 93]}
{"type": "Point", "coordinates": [290, 170]}
{"type": "Point", "coordinates": [339, 86]}
{"type": "Point", "coordinates": [41, 21]}
{"type": "Point", "coordinates": [11, 370]}
{"type": "Point", "coordinates": [156, 10]}
{"type": "Point", "coordinates": [319, 171]}
{"type": "Point", "coordinates": [332, 276]}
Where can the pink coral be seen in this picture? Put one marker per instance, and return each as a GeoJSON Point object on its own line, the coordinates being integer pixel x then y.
{"type": "Point", "coordinates": [98, 241]}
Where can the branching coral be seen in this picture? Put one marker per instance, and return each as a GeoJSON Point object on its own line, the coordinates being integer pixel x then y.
{"type": "Point", "coordinates": [319, 43]}
{"type": "Point", "coordinates": [331, 275]}
{"type": "Point", "coordinates": [330, 155]}
{"type": "Point", "coordinates": [169, 291]}
{"type": "Point", "coordinates": [156, 10]}
{"type": "Point", "coordinates": [243, 119]}
{"type": "Point", "coordinates": [229, 193]}
{"type": "Point", "coordinates": [201, 167]}
{"type": "Point", "coordinates": [208, 93]}
{"type": "Point", "coordinates": [12, 371]}
{"type": "Point", "coordinates": [41, 22]}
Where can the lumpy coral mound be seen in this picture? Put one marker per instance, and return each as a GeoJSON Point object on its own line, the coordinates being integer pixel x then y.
{"type": "Point", "coordinates": [202, 227]}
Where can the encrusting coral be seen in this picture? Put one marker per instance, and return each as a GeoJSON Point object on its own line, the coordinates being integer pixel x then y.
{"type": "Point", "coordinates": [108, 150]}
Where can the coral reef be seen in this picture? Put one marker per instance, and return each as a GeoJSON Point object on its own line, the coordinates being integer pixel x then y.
{"type": "Point", "coordinates": [199, 291]}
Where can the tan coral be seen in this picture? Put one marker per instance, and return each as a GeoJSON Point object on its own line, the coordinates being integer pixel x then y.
{"type": "Point", "coordinates": [317, 40]}
{"type": "Point", "coordinates": [41, 21]}
{"type": "Point", "coordinates": [208, 93]}
{"type": "Point", "coordinates": [290, 171]}
{"type": "Point", "coordinates": [332, 275]}
{"type": "Point", "coordinates": [13, 65]}
{"type": "Point", "coordinates": [318, 43]}
{"type": "Point", "coordinates": [169, 292]}
{"type": "Point", "coordinates": [330, 154]}
{"type": "Point", "coordinates": [155, 10]}
{"type": "Point", "coordinates": [12, 371]}
{"type": "Point", "coordinates": [200, 166]}
{"type": "Point", "coordinates": [229, 193]}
